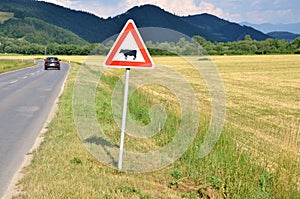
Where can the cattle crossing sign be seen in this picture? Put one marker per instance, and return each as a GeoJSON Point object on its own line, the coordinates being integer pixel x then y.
{"type": "Point", "coordinates": [129, 50]}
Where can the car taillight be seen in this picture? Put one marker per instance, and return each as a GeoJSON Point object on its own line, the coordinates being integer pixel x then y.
{"type": "Point", "coordinates": [47, 61]}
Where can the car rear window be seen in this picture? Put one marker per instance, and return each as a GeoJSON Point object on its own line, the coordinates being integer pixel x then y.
{"type": "Point", "coordinates": [52, 58]}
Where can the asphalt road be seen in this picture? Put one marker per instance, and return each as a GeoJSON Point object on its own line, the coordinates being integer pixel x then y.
{"type": "Point", "coordinates": [26, 99]}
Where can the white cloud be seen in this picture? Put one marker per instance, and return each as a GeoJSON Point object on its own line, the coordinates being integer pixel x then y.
{"type": "Point", "coordinates": [65, 3]}
{"type": "Point", "coordinates": [180, 7]}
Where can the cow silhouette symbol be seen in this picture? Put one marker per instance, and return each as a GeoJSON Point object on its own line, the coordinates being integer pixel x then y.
{"type": "Point", "coordinates": [127, 53]}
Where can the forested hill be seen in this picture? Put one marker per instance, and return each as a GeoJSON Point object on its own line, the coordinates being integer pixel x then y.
{"type": "Point", "coordinates": [94, 29]}
{"type": "Point", "coordinates": [81, 23]}
{"type": "Point", "coordinates": [227, 31]}
{"type": "Point", "coordinates": [37, 31]}
{"type": "Point", "coordinates": [283, 35]}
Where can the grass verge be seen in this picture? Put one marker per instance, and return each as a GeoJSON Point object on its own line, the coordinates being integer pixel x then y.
{"type": "Point", "coordinates": [10, 65]}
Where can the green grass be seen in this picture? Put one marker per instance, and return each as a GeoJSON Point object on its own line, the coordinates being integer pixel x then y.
{"type": "Point", "coordinates": [257, 155]}
{"type": "Point", "coordinates": [10, 65]}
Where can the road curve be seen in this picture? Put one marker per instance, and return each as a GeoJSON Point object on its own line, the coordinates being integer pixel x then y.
{"type": "Point", "coordinates": [26, 99]}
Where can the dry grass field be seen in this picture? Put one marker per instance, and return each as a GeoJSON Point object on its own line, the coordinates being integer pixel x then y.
{"type": "Point", "coordinates": [257, 155]}
{"type": "Point", "coordinates": [263, 102]}
{"type": "Point", "coordinates": [264, 109]}
{"type": "Point", "coordinates": [5, 16]}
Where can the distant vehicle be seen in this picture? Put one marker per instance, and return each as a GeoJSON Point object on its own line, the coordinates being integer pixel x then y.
{"type": "Point", "coordinates": [52, 62]}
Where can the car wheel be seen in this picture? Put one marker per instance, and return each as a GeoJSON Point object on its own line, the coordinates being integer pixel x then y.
{"type": "Point", "coordinates": [58, 68]}
{"type": "Point", "coordinates": [46, 68]}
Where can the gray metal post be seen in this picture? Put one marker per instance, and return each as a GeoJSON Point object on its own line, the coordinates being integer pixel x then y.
{"type": "Point", "coordinates": [124, 118]}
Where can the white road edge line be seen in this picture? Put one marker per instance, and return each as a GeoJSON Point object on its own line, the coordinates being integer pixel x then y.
{"type": "Point", "coordinates": [12, 82]}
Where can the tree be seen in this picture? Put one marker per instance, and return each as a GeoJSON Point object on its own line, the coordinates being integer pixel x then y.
{"type": "Point", "coordinates": [247, 38]}
{"type": "Point", "coordinates": [296, 43]}
{"type": "Point", "coordinates": [198, 39]}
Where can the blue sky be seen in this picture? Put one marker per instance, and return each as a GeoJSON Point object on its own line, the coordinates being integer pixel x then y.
{"type": "Point", "coordinates": [253, 11]}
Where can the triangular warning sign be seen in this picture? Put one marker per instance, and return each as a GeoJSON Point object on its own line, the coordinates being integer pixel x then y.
{"type": "Point", "coordinates": [129, 50]}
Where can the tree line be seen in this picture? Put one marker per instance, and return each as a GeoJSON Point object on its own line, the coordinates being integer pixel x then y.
{"type": "Point", "coordinates": [197, 45]}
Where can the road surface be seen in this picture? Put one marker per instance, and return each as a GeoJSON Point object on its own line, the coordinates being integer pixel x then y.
{"type": "Point", "coordinates": [26, 99]}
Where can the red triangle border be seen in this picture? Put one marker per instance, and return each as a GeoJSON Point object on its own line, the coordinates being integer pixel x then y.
{"type": "Point", "coordinates": [129, 27]}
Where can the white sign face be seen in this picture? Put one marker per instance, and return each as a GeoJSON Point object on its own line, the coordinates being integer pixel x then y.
{"type": "Point", "coordinates": [129, 50]}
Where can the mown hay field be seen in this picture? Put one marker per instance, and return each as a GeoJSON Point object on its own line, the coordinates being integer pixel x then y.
{"type": "Point", "coordinates": [5, 16]}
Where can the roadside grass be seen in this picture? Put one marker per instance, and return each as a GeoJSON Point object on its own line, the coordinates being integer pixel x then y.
{"type": "Point", "coordinates": [257, 155]}
{"type": "Point", "coordinates": [10, 65]}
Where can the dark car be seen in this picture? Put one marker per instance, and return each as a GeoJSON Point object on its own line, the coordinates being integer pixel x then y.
{"type": "Point", "coordinates": [52, 62]}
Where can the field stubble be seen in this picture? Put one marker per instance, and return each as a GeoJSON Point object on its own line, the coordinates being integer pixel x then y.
{"type": "Point", "coordinates": [4, 16]}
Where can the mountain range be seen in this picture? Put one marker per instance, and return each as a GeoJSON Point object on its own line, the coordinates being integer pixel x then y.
{"type": "Point", "coordinates": [287, 32]}
{"type": "Point", "coordinates": [50, 21]}
{"type": "Point", "coordinates": [268, 27]}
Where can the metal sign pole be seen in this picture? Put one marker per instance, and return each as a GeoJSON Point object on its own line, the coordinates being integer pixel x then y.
{"type": "Point", "coordinates": [124, 118]}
